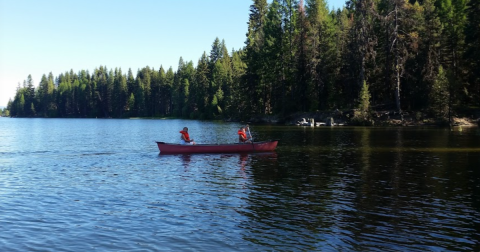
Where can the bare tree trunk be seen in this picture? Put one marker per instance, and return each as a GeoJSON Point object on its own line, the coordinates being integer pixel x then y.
{"type": "Point", "coordinates": [397, 66]}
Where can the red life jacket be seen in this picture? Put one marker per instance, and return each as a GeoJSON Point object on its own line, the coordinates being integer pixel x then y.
{"type": "Point", "coordinates": [185, 134]}
{"type": "Point", "coordinates": [242, 135]}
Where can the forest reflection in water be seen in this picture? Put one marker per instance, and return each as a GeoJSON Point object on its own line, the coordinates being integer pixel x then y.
{"type": "Point", "coordinates": [397, 188]}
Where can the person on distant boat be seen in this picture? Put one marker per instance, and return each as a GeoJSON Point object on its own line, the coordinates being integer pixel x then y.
{"type": "Point", "coordinates": [185, 138]}
{"type": "Point", "coordinates": [242, 136]}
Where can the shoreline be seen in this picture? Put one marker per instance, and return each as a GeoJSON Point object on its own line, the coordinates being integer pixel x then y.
{"type": "Point", "coordinates": [384, 118]}
{"type": "Point", "coordinates": [387, 118]}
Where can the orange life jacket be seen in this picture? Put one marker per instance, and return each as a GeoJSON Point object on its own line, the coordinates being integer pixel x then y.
{"type": "Point", "coordinates": [242, 136]}
{"type": "Point", "coordinates": [185, 134]}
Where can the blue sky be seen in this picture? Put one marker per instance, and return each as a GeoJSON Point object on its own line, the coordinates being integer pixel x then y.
{"type": "Point", "coordinates": [39, 37]}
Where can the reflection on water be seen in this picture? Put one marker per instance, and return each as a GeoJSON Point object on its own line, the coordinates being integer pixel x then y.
{"type": "Point", "coordinates": [386, 189]}
{"type": "Point", "coordinates": [102, 184]}
{"type": "Point", "coordinates": [186, 158]}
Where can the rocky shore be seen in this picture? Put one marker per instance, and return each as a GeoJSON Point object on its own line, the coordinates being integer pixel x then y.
{"type": "Point", "coordinates": [377, 118]}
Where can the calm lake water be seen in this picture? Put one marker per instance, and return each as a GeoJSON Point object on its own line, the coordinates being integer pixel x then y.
{"type": "Point", "coordinates": [101, 185]}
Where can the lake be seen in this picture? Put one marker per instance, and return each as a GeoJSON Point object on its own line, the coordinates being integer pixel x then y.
{"type": "Point", "coordinates": [101, 185]}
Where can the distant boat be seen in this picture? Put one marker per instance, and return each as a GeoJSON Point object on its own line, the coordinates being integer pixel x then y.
{"type": "Point", "coordinates": [304, 122]}
{"type": "Point", "coordinates": [264, 146]}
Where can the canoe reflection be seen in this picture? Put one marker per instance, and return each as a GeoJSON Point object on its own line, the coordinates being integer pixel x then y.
{"type": "Point", "coordinates": [186, 159]}
{"type": "Point", "coordinates": [244, 160]}
{"type": "Point", "coordinates": [248, 159]}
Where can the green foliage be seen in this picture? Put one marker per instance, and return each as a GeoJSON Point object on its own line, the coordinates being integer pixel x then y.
{"type": "Point", "coordinates": [364, 99]}
{"type": "Point", "coordinates": [32, 110]}
{"type": "Point", "coordinates": [131, 102]}
{"type": "Point", "coordinates": [362, 114]}
{"type": "Point", "coordinates": [297, 57]}
{"type": "Point", "coordinates": [439, 105]}
{"type": "Point", "coordinates": [5, 112]}
{"type": "Point", "coordinates": [21, 106]}
{"type": "Point", "coordinates": [472, 52]}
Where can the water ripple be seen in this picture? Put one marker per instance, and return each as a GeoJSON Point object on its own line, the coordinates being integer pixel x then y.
{"type": "Point", "coordinates": [323, 190]}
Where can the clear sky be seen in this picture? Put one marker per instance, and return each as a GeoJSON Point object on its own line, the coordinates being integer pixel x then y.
{"type": "Point", "coordinates": [39, 37]}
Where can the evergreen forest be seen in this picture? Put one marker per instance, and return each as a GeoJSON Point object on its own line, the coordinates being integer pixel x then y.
{"type": "Point", "coordinates": [299, 56]}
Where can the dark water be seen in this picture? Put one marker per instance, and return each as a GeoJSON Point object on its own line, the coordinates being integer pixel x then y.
{"type": "Point", "coordinates": [100, 185]}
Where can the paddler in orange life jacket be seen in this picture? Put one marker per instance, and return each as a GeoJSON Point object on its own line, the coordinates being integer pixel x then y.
{"type": "Point", "coordinates": [242, 136]}
{"type": "Point", "coordinates": [185, 138]}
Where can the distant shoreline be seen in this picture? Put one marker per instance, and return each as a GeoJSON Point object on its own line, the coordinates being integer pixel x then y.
{"type": "Point", "coordinates": [378, 118]}
{"type": "Point", "coordinates": [385, 118]}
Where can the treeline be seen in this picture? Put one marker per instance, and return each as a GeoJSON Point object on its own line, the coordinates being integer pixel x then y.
{"type": "Point", "coordinates": [299, 56]}
{"type": "Point", "coordinates": [204, 92]}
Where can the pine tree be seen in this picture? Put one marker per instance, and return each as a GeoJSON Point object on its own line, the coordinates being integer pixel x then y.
{"type": "Point", "coordinates": [85, 95]}
{"type": "Point", "coordinates": [169, 79]}
{"type": "Point", "coordinates": [188, 77]}
{"type": "Point", "coordinates": [165, 93]}
{"type": "Point", "coordinates": [337, 98]}
{"type": "Point", "coordinates": [145, 76]}
{"type": "Point", "coordinates": [120, 93]}
{"type": "Point", "coordinates": [226, 81]}
{"type": "Point", "coordinates": [139, 108]}
{"type": "Point", "coordinates": [303, 57]}
{"type": "Point", "coordinates": [289, 11]}
{"type": "Point", "coordinates": [472, 53]}
{"type": "Point", "coordinates": [52, 106]}
{"type": "Point", "coordinates": [131, 104]}
{"type": "Point", "coordinates": [216, 52]}
{"type": "Point", "coordinates": [253, 55]}
{"type": "Point", "coordinates": [427, 58]}
{"type": "Point", "coordinates": [130, 81]}
{"type": "Point", "coordinates": [43, 95]}
{"type": "Point", "coordinates": [364, 103]}
{"type": "Point", "coordinates": [185, 94]}
{"type": "Point", "coordinates": [21, 105]}
{"type": "Point", "coordinates": [402, 41]}
{"type": "Point", "coordinates": [238, 71]}
{"type": "Point", "coordinates": [102, 92]}
{"type": "Point", "coordinates": [63, 95]}
{"type": "Point", "coordinates": [439, 106]}
{"type": "Point", "coordinates": [202, 86]}
{"type": "Point", "coordinates": [452, 14]}
{"type": "Point", "coordinates": [270, 87]}
{"type": "Point", "coordinates": [322, 51]}
{"type": "Point", "coordinates": [29, 97]}
{"type": "Point", "coordinates": [220, 82]}
{"type": "Point", "coordinates": [362, 45]}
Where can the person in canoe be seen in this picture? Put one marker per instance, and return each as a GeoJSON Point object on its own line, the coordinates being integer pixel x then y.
{"type": "Point", "coordinates": [242, 136]}
{"type": "Point", "coordinates": [185, 138]}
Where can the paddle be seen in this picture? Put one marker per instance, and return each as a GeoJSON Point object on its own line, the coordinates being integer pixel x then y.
{"type": "Point", "coordinates": [251, 138]}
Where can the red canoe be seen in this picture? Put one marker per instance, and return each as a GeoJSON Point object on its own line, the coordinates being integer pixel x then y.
{"type": "Point", "coordinates": [218, 148]}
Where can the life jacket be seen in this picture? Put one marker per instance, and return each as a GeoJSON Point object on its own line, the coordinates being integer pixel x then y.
{"type": "Point", "coordinates": [185, 134]}
{"type": "Point", "coordinates": [242, 136]}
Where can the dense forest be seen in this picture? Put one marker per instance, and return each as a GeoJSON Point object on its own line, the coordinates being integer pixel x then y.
{"type": "Point", "coordinates": [298, 57]}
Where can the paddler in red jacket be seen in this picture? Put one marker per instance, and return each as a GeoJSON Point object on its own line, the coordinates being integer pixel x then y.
{"type": "Point", "coordinates": [242, 136]}
{"type": "Point", "coordinates": [185, 138]}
